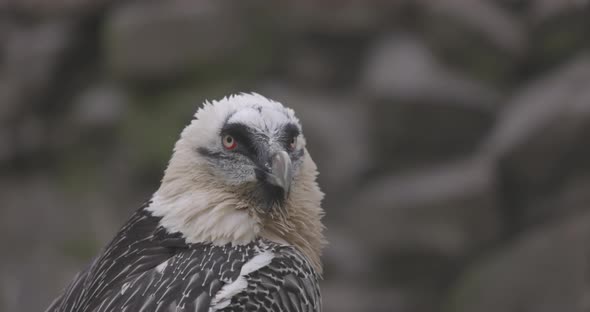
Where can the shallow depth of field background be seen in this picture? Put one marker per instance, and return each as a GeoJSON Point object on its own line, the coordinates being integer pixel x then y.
{"type": "Point", "coordinates": [452, 137]}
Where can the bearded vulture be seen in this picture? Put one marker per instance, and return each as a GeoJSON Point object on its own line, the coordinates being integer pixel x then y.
{"type": "Point", "coordinates": [234, 226]}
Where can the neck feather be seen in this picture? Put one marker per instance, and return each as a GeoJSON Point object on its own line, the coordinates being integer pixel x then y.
{"type": "Point", "coordinates": [301, 226]}
{"type": "Point", "coordinates": [193, 202]}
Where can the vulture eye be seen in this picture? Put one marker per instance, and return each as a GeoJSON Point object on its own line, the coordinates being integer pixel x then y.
{"type": "Point", "coordinates": [229, 142]}
{"type": "Point", "coordinates": [293, 143]}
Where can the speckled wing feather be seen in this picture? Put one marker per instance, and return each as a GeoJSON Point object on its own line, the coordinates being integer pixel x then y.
{"type": "Point", "coordinates": [288, 283]}
{"type": "Point", "coordinates": [147, 269]}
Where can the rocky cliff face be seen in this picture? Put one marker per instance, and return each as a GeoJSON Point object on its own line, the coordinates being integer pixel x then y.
{"type": "Point", "coordinates": [452, 137]}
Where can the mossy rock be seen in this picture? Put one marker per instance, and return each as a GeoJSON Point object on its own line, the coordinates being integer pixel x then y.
{"type": "Point", "coordinates": [80, 248]}
{"type": "Point", "coordinates": [469, 51]}
{"type": "Point", "coordinates": [79, 167]}
{"type": "Point", "coordinates": [155, 121]}
{"type": "Point", "coordinates": [558, 39]}
{"type": "Point", "coordinates": [159, 43]}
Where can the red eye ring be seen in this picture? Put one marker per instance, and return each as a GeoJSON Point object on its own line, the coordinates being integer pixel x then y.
{"type": "Point", "coordinates": [229, 142]}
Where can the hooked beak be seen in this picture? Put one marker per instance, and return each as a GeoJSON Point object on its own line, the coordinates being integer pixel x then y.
{"type": "Point", "coordinates": [275, 181]}
{"type": "Point", "coordinates": [281, 171]}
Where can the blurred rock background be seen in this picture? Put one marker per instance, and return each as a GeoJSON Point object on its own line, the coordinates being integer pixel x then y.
{"type": "Point", "coordinates": [453, 137]}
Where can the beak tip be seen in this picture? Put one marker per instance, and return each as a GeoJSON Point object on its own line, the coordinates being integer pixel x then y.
{"type": "Point", "coordinates": [281, 170]}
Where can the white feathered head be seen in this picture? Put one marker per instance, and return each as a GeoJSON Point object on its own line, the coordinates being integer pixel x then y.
{"type": "Point", "coordinates": [240, 171]}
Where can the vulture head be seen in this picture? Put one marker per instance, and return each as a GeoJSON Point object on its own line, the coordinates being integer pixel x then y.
{"type": "Point", "coordinates": [241, 171]}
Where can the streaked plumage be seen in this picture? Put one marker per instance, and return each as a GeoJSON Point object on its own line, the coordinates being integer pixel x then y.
{"type": "Point", "coordinates": [211, 239]}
